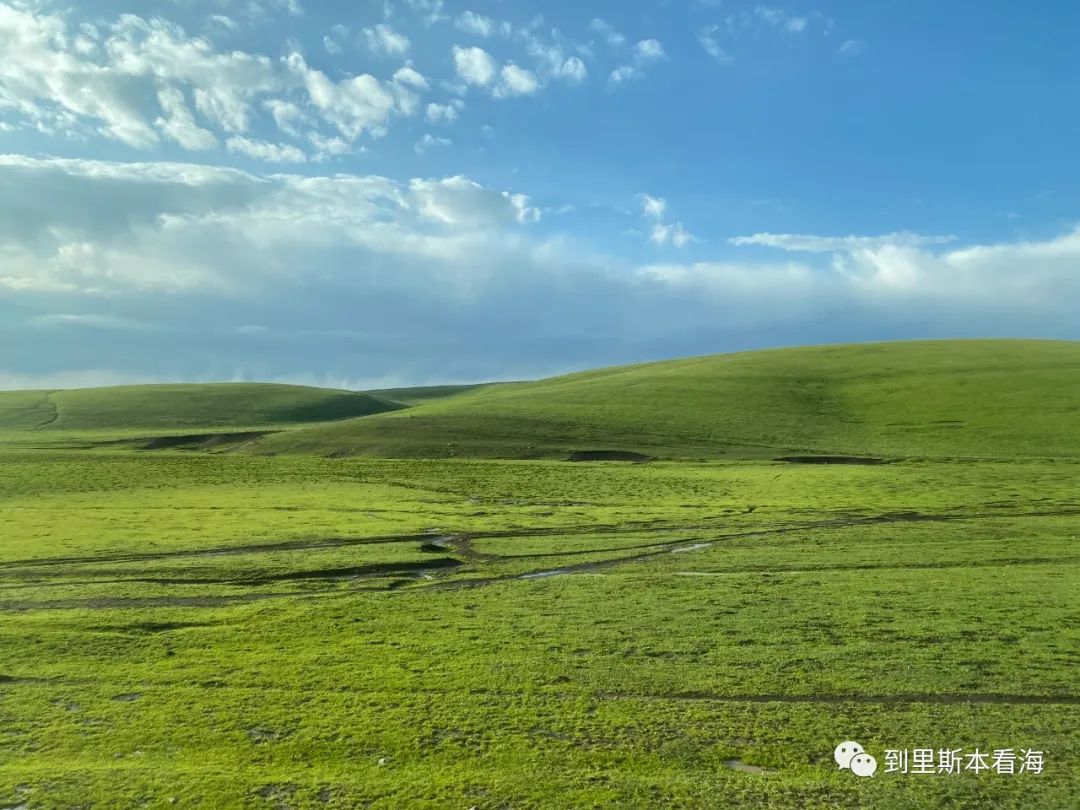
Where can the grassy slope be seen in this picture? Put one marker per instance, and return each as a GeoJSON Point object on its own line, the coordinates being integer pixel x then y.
{"type": "Point", "coordinates": [426, 393]}
{"type": "Point", "coordinates": [181, 406]}
{"type": "Point", "coordinates": [134, 677]}
{"type": "Point", "coordinates": [935, 398]}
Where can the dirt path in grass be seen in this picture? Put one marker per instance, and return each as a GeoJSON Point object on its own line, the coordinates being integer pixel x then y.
{"type": "Point", "coordinates": [544, 531]}
{"type": "Point", "coordinates": [456, 550]}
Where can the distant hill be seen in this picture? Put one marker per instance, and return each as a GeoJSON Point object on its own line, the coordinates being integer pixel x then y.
{"type": "Point", "coordinates": [426, 393]}
{"type": "Point", "coordinates": [175, 407]}
{"type": "Point", "coordinates": [970, 398]}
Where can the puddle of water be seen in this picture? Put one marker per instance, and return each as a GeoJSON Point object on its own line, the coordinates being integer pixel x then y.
{"type": "Point", "coordinates": [739, 765]}
{"type": "Point", "coordinates": [697, 574]}
{"type": "Point", "coordinates": [695, 547]}
{"type": "Point", "coordinates": [558, 572]}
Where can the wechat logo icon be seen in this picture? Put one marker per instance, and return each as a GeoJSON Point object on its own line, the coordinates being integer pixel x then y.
{"type": "Point", "coordinates": [849, 755]}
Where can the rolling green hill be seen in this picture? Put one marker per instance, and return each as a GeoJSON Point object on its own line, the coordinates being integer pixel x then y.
{"type": "Point", "coordinates": [992, 398]}
{"type": "Point", "coordinates": [425, 393]}
{"type": "Point", "coordinates": [172, 407]}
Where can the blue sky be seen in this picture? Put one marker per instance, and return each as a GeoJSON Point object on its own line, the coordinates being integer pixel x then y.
{"type": "Point", "coordinates": [423, 191]}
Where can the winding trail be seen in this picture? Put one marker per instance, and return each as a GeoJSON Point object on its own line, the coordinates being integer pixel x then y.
{"type": "Point", "coordinates": [457, 551]}
{"type": "Point", "coordinates": [544, 531]}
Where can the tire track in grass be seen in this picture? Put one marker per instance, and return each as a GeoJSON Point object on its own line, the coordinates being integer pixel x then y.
{"type": "Point", "coordinates": [461, 543]}
{"type": "Point", "coordinates": [51, 404]}
{"type": "Point", "coordinates": [544, 531]}
{"type": "Point", "coordinates": [901, 698]}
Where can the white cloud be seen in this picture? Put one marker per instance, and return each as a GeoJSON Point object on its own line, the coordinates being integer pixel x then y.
{"type": "Point", "coordinates": [203, 249]}
{"type": "Point", "coordinates": [334, 42]}
{"type": "Point", "coordinates": [429, 11]}
{"type": "Point", "coordinates": [516, 81]}
{"type": "Point", "coordinates": [43, 81]}
{"type": "Point", "coordinates": [287, 116]}
{"type": "Point", "coordinates": [654, 210]}
{"type": "Point", "coordinates": [676, 234]}
{"type": "Point", "coordinates": [135, 80]}
{"type": "Point", "coordinates": [707, 36]}
{"type": "Point", "coordinates": [430, 141]}
{"type": "Point", "coordinates": [179, 124]}
{"type": "Point", "coordinates": [411, 77]}
{"type": "Point", "coordinates": [222, 22]}
{"type": "Point", "coordinates": [802, 243]}
{"type": "Point", "coordinates": [385, 41]}
{"type": "Point", "coordinates": [645, 52]}
{"type": "Point", "coordinates": [851, 47]}
{"type": "Point", "coordinates": [472, 23]}
{"type": "Point", "coordinates": [624, 73]}
{"type": "Point", "coordinates": [437, 113]}
{"type": "Point", "coordinates": [328, 147]}
{"type": "Point", "coordinates": [114, 227]}
{"type": "Point", "coordinates": [572, 70]}
{"type": "Point", "coordinates": [461, 202]}
{"type": "Point", "coordinates": [261, 150]}
{"type": "Point", "coordinates": [613, 38]}
{"type": "Point", "coordinates": [648, 50]}
{"type": "Point", "coordinates": [653, 207]}
{"type": "Point", "coordinates": [776, 18]}
{"type": "Point", "coordinates": [356, 105]}
{"type": "Point", "coordinates": [474, 66]}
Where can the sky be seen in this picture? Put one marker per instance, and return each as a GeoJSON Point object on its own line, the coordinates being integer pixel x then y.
{"type": "Point", "coordinates": [408, 192]}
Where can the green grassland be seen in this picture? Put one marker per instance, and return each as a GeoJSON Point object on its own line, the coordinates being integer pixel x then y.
{"type": "Point", "coordinates": [215, 405]}
{"type": "Point", "coordinates": [1000, 399]}
{"type": "Point", "coordinates": [224, 629]}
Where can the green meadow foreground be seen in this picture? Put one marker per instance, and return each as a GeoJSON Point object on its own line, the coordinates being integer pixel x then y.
{"type": "Point", "coordinates": [433, 607]}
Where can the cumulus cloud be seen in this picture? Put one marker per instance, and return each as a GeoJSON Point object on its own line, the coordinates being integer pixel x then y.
{"type": "Point", "coordinates": [438, 113]}
{"type": "Point", "coordinates": [516, 81]}
{"type": "Point", "coordinates": [572, 69]}
{"type": "Point", "coordinates": [356, 105]}
{"type": "Point", "coordinates": [139, 80]}
{"type": "Point", "coordinates": [383, 40]}
{"type": "Point", "coordinates": [411, 77]}
{"type": "Point", "coordinates": [648, 50]}
{"type": "Point", "coordinates": [474, 66]}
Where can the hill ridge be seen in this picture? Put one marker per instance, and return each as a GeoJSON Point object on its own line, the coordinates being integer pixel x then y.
{"type": "Point", "coordinates": [937, 398]}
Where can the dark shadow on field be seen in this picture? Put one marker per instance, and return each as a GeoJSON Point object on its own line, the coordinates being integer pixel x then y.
{"type": "Point", "coordinates": [833, 460]}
